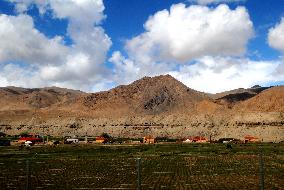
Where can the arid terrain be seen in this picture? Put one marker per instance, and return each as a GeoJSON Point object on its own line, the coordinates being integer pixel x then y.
{"type": "Point", "coordinates": [158, 106]}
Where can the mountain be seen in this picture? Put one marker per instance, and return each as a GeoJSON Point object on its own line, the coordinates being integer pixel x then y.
{"type": "Point", "coordinates": [159, 106]}
{"type": "Point", "coordinates": [234, 96]}
{"type": "Point", "coordinates": [269, 100]}
{"type": "Point", "coordinates": [15, 98]}
{"type": "Point", "coordinates": [149, 95]}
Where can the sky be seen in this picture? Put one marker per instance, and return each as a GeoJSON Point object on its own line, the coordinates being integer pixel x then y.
{"type": "Point", "coordinates": [94, 45]}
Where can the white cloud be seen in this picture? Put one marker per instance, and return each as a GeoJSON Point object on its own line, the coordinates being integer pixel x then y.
{"type": "Point", "coordinates": [20, 41]}
{"type": "Point", "coordinates": [78, 69]}
{"type": "Point", "coordinates": [207, 74]}
{"type": "Point", "coordinates": [22, 6]}
{"type": "Point", "coordinates": [276, 36]}
{"type": "Point", "coordinates": [217, 74]}
{"type": "Point", "coordinates": [127, 70]}
{"type": "Point", "coordinates": [185, 33]}
{"type": "Point", "coordinates": [15, 75]}
{"type": "Point", "coordinates": [206, 2]}
{"type": "Point", "coordinates": [279, 72]}
{"type": "Point", "coordinates": [78, 66]}
{"type": "Point", "coordinates": [206, 41]}
{"type": "Point", "coordinates": [79, 11]}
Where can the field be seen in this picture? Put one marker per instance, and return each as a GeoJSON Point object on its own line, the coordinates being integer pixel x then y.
{"type": "Point", "coordinates": [163, 166]}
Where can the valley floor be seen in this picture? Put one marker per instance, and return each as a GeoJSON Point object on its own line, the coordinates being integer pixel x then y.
{"type": "Point", "coordinates": [163, 166]}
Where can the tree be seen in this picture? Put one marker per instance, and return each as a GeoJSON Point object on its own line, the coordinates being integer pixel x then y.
{"type": "Point", "coordinates": [105, 135]}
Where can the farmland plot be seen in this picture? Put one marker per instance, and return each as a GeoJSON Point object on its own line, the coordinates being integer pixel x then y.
{"type": "Point", "coordinates": [162, 167]}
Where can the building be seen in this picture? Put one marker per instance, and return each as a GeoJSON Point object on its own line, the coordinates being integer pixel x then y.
{"type": "Point", "coordinates": [71, 141]}
{"type": "Point", "coordinates": [101, 139]}
{"type": "Point", "coordinates": [187, 140]}
{"type": "Point", "coordinates": [149, 140]}
{"type": "Point", "coordinates": [250, 138]}
{"type": "Point", "coordinates": [199, 139]}
{"type": "Point", "coordinates": [34, 138]}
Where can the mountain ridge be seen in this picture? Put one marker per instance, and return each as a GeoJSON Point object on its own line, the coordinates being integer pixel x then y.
{"type": "Point", "coordinates": [158, 105]}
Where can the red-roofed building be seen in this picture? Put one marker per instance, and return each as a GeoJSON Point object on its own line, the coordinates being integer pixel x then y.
{"type": "Point", "coordinates": [250, 138]}
{"type": "Point", "coordinates": [199, 139]}
{"type": "Point", "coordinates": [30, 137]}
{"type": "Point", "coordinates": [149, 140]}
{"type": "Point", "coordinates": [101, 139]}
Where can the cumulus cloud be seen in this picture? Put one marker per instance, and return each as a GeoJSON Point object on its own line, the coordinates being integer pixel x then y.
{"type": "Point", "coordinates": [276, 36]}
{"type": "Point", "coordinates": [127, 70]}
{"type": "Point", "coordinates": [16, 75]}
{"type": "Point", "coordinates": [80, 11]}
{"type": "Point", "coordinates": [208, 74]}
{"type": "Point", "coordinates": [194, 43]}
{"type": "Point", "coordinates": [206, 2]}
{"type": "Point", "coordinates": [217, 74]}
{"type": "Point", "coordinates": [185, 33]}
{"type": "Point", "coordinates": [21, 41]}
{"type": "Point", "coordinates": [21, 6]}
{"type": "Point", "coordinates": [200, 46]}
{"type": "Point", "coordinates": [78, 66]}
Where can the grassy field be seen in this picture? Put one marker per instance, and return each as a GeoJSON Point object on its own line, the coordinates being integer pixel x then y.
{"type": "Point", "coordinates": [163, 166]}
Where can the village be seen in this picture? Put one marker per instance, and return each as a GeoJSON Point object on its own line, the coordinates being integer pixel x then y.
{"type": "Point", "coordinates": [30, 139]}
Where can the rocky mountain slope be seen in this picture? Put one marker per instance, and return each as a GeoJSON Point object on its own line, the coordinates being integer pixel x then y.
{"type": "Point", "coordinates": [157, 95]}
{"type": "Point", "coordinates": [161, 106]}
{"type": "Point", "coordinates": [14, 98]}
{"type": "Point", "coordinates": [270, 100]}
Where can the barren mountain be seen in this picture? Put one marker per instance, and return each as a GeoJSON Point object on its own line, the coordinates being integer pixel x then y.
{"type": "Point", "coordinates": [230, 98]}
{"type": "Point", "coordinates": [156, 95]}
{"type": "Point", "coordinates": [160, 106]}
{"type": "Point", "coordinates": [270, 100]}
{"type": "Point", "coordinates": [14, 98]}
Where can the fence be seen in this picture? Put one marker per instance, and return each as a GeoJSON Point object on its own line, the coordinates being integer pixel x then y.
{"type": "Point", "coordinates": [158, 167]}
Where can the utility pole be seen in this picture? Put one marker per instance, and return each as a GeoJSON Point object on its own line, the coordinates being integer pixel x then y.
{"type": "Point", "coordinates": [28, 174]}
{"type": "Point", "coordinates": [86, 138]}
{"type": "Point", "coordinates": [261, 170]}
{"type": "Point", "coordinates": [138, 171]}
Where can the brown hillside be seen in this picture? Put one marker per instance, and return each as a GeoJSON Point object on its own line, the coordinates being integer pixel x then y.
{"type": "Point", "coordinates": [14, 98]}
{"type": "Point", "coordinates": [149, 95]}
{"type": "Point", "coordinates": [158, 106]}
{"type": "Point", "coordinates": [270, 100]}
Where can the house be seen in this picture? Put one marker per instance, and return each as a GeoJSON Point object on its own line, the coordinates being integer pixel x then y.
{"type": "Point", "coordinates": [250, 138]}
{"type": "Point", "coordinates": [229, 140]}
{"type": "Point", "coordinates": [188, 140]}
{"type": "Point", "coordinates": [101, 139]}
{"type": "Point", "coordinates": [149, 140]}
{"type": "Point", "coordinates": [29, 143]}
{"type": "Point", "coordinates": [199, 139]}
{"type": "Point", "coordinates": [71, 141]}
{"type": "Point", "coordinates": [34, 138]}
{"type": "Point", "coordinates": [226, 140]}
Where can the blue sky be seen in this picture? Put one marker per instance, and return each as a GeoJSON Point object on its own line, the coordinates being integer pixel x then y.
{"type": "Point", "coordinates": [93, 45]}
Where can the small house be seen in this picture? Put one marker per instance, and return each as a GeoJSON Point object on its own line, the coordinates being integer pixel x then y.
{"type": "Point", "coordinates": [101, 139]}
{"type": "Point", "coordinates": [149, 140]}
{"type": "Point", "coordinates": [226, 140]}
{"type": "Point", "coordinates": [34, 138]}
{"type": "Point", "coordinates": [71, 141]}
{"type": "Point", "coordinates": [188, 140]}
{"type": "Point", "coordinates": [199, 139]}
{"type": "Point", "coordinates": [250, 138]}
